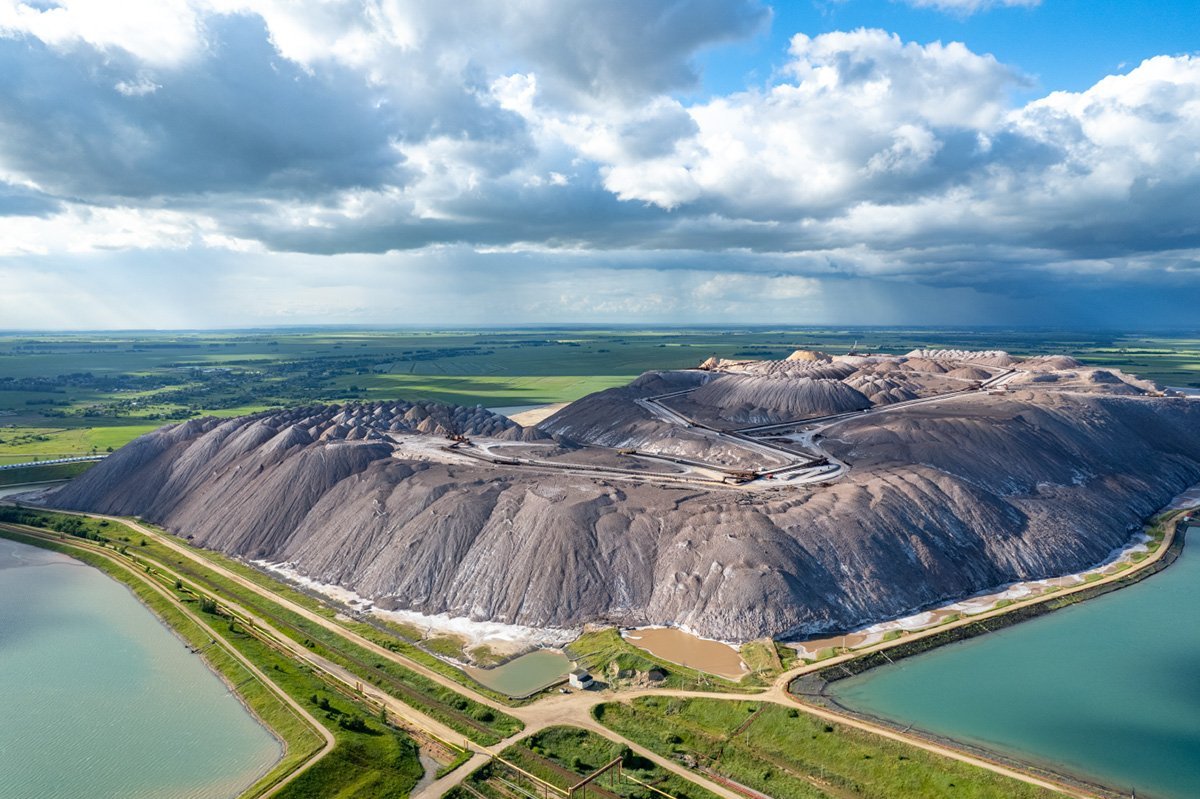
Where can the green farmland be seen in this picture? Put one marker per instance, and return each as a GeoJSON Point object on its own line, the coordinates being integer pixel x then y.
{"type": "Point", "coordinates": [76, 394]}
{"type": "Point", "coordinates": [562, 756]}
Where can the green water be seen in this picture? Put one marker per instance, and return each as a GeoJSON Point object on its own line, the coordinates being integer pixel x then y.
{"type": "Point", "coordinates": [522, 676]}
{"type": "Point", "coordinates": [102, 701]}
{"type": "Point", "coordinates": [1108, 689]}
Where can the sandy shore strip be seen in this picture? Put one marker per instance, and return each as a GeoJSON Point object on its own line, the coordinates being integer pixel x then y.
{"type": "Point", "coordinates": [530, 415]}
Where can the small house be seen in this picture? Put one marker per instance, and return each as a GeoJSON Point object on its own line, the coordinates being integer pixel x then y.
{"type": "Point", "coordinates": [579, 678]}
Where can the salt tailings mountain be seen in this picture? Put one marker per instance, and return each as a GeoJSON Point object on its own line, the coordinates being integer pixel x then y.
{"type": "Point", "coordinates": [739, 499]}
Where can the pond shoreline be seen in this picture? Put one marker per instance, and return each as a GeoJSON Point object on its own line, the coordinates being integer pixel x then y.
{"type": "Point", "coordinates": [812, 687]}
{"type": "Point", "coordinates": [972, 628]}
{"type": "Point", "coordinates": [685, 648]}
{"type": "Point", "coordinates": [70, 557]}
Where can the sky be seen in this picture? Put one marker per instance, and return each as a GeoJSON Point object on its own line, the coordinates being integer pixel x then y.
{"type": "Point", "coordinates": [246, 163]}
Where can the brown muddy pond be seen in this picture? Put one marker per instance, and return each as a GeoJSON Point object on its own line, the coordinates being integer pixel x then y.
{"type": "Point", "coordinates": [712, 657]}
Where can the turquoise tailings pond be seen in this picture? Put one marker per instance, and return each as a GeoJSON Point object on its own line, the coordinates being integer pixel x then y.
{"type": "Point", "coordinates": [102, 701]}
{"type": "Point", "coordinates": [1108, 690]}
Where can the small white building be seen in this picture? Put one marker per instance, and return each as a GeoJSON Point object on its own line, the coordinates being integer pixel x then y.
{"type": "Point", "coordinates": [579, 678]}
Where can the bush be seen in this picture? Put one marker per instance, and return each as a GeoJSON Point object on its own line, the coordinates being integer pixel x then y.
{"type": "Point", "coordinates": [353, 724]}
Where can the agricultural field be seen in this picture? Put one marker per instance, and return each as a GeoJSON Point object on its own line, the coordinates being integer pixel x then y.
{"type": "Point", "coordinates": [563, 756]}
{"type": "Point", "coordinates": [788, 754]}
{"type": "Point", "coordinates": [73, 394]}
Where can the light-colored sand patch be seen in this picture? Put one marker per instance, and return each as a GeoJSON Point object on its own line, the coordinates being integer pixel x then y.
{"type": "Point", "coordinates": [535, 416]}
{"type": "Point", "coordinates": [702, 654]}
{"type": "Point", "coordinates": [511, 637]}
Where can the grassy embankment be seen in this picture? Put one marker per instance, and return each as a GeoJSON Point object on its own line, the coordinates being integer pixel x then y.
{"type": "Point", "coordinates": [766, 659]}
{"type": "Point", "coordinates": [476, 721]}
{"type": "Point", "coordinates": [563, 756]}
{"type": "Point", "coordinates": [44, 473]}
{"type": "Point", "coordinates": [406, 640]}
{"type": "Point", "coordinates": [596, 649]}
{"type": "Point", "coordinates": [369, 759]}
{"type": "Point", "coordinates": [788, 754]}
{"type": "Point", "coordinates": [605, 654]}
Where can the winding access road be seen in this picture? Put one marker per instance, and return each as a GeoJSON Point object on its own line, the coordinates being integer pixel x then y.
{"type": "Point", "coordinates": [804, 461]}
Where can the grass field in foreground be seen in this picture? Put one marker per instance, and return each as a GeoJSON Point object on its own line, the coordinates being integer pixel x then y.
{"type": "Point", "coordinates": [564, 755]}
{"type": "Point", "coordinates": [46, 440]}
{"type": "Point", "coordinates": [788, 754]}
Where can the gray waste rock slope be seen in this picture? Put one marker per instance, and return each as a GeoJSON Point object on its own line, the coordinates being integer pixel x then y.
{"type": "Point", "coordinates": [942, 500]}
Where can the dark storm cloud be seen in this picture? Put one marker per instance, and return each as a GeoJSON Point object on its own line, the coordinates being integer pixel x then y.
{"type": "Point", "coordinates": [630, 47]}
{"type": "Point", "coordinates": [20, 201]}
{"type": "Point", "coordinates": [241, 119]}
{"type": "Point", "coordinates": [579, 214]}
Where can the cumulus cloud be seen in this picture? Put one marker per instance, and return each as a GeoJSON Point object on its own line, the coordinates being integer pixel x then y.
{"type": "Point", "coordinates": [137, 87]}
{"type": "Point", "coordinates": [160, 32]}
{"type": "Point", "coordinates": [863, 115]}
{"type": "Point", "coordinates": [236, 120]}
{"type": "Point", "coordinates": [86, 229]}
{"type": "Point", "coordinates": [404, 131]}
{"type": "Point", "coordinates": [964, 7]}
